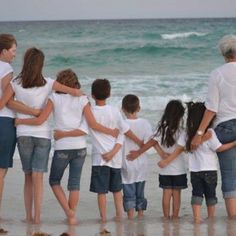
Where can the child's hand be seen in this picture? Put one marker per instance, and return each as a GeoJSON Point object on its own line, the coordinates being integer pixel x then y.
{"type": "Point", "coordinates": [132, 155]}
{"type": "Point", "coordinates": [36, 112]}
{"type": "Point", "coordinates": [58, 134]}
{"type": "Point", "coordinates": [115, 133]}
{"type": "Point", "coordinates": [162, 163]}
{"type": "Point", "coordinates": [107, 156]}
{"type": "Point", "coordinates": [17, 121]}
{"type": "Point", "coordinates": [206, 136]}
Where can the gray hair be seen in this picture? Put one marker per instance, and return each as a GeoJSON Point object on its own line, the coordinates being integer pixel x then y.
{"type": "Point", "coordinates": [227, 46]}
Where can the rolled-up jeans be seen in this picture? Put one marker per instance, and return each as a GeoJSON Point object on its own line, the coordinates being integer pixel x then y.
{"type": "Point", "coordinates": [226, 132]}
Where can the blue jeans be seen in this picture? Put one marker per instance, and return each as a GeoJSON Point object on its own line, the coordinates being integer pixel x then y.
{"type": "Point", "coordinates": [61, 159]}
{"type": "Point", "coordinates": [226, 132]}
{"type": "Point", "coordinates": [134, 196]}
{"type": "Point", "coordinates": [34, 153]}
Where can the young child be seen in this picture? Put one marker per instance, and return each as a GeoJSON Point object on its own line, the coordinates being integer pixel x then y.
{"type": "Point", "coordinates": [70, 141]}
{"type": "Point", "coordinates": [202, 162]}
{"type": "Point", "coordinates": [106, 150]}
{"type": "Point", "coordinates": [134, 173]}
{"type": "Point", "coordinates": [173, 177]}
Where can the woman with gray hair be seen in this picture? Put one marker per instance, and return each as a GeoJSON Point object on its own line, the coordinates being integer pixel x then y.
{"type": "Point", "coordinates": [221, 104]}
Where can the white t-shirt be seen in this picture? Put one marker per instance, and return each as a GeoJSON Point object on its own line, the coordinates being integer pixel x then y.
{"type": "Point", "coordinates": [204, 157]}
{"type": "Point", "coordinates": [35, 97]}
{"type": "Point", "coordinates": [221, 96]}
{"type": "Point", "coordinates": [5, 69]}
{"type": "Point", "coordinates": [136, 170]}
{"type": "Point", "coordinates": [178, 165]}
{"type": "Point", "coordinates": [68, 115]}
{"type": "Point", "coordinates": [110, 117]}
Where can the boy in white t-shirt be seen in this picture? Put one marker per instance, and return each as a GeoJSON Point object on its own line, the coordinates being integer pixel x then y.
{"type": "Point", "coordinates": [106, 150]}
{"type": "Point", "coordinates": [134, 173]}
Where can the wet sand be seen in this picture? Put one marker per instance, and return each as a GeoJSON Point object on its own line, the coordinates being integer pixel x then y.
{"type": "Point", "coordinates": [53, 219]}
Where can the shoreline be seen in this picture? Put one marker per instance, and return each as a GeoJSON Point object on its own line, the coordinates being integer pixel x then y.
{"type": "Point", "coordinates": [53, 218]}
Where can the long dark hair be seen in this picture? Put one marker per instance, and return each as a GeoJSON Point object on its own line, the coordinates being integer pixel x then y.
{"type": "Point", "coordinates": [196, 112]}
{"type": "Point", "coordinates": [31, 73]}
{"type": "Point", "coordinates": [170, 122]}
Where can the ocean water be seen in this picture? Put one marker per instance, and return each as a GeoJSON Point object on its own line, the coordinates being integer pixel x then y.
{"type": "Point", "coordinates": [157, 59]}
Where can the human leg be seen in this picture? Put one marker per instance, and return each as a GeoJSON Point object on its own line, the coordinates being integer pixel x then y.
{"type": "Point", "coordinates": [141, 201]}
{"type": "Point", "coordinates": [179, 182]}
{"type": "Point", "coordinates": [3, 173]}
{"type": "Point", "coordinates": [37, 182]}
{"type": "Point", "coordinates": [39, 167]}
{"type": "Point", "coordinates": [210, 184]}
{"type": "Point", "coordinates": [7, 147]}
{"type": "Point", "coordinates": [26, 147]}
{"type": "Point", "coordinates": [176, 200]}
{"type": "Point", "coordinates": [115, 186]}
{"type": "Point", "coordinates": [99, 184]}
{"type": "Point", "coordinates": [102, 206]}
{"type": "Point", "coordinates": [197, 195]}
{"type": "Point", "coordinates": [129, 199]}
{"type": "Point", "coordinates": [226, 132]}
{"type": "Point", "coordinates": [118, 204]}
{"type": "Point", "coordinates": [59, 163]}
{"type": "Point", "coordinates": [75, 170]}
{"type": "Point", "coordinates": [166, 198]}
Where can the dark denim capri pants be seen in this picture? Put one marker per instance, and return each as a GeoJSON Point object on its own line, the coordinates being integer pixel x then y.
{"type": "Point", "coordinates": [7, 142]}
{"type": "Point", "coordinates": [226, 132]}
{"type": "Point", "coordinates": [204, 184]}
{"type": "Point", "coordinates": [61, 159]}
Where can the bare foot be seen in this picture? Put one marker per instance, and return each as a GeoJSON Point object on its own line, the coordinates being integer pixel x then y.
{"type": "Point", "coordinates": [197, 221]}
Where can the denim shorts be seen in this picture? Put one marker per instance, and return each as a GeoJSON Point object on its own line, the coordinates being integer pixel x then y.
{"type": "Point", "coordinates": [133, 196]}
{"type": "Point", "coordinates": [173, 181]}
{"type": "Point", "coordinates": [34, 153]}
{"type": "Point", "coordinates": [7, 142]}
{"type": "Point", "coordinates": [104, 179]}
{"type": "Point", "coordinates": [226, 132]}
{"type": "Point", "coordinates": [204, 184]}
{"type": "Point", "coordinates": [61, 159]}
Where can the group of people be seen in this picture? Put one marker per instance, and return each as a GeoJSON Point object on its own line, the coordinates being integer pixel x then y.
{"type": "Point", "coordinates": [118, 154]}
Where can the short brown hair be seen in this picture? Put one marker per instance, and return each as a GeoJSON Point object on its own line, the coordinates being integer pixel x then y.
{"type": "Point", "coordinates": [101, 89]}
{"type": "Point", "coordinates": [6, 41]}
{"type": "Point", "coordinates": [130, 103]}
{"type": "Point", "coordinates": [68, 78]}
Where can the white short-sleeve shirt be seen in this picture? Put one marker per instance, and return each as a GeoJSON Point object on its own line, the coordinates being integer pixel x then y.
{"type": "Point", "coordinates": [221, 96]}
{"type": "Point", "coordinates": [136, 170]}
{"type": "Point", "coordinates": [68, 115]}
{"type": "Point", "coordinates": [35, 97]}
{"type": "Point", "coordinates": [204, 157]}
{"type": "Point", "coordinates": [110, 117]}
{"type": "Point", "coordinates": [178, 165]}
{"type": "Point", "coordinates": [5, 69]}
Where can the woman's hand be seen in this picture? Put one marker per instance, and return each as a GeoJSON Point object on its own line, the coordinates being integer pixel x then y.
{"type": "Point", "coordinates": [196, 141]}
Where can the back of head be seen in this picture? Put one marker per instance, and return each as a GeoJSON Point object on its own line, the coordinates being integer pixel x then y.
{"type": "Point", "coordinates": [68, 78]}
{"type": "Point", "coordinates": [130, 103]}
{"type": "Point", "coordinates": [31, 74]}
{"type": "Point", "coordinates": [101, 89]}
{"type": "Point", "coordinates": [170, 122]}
{"type": "Point", "coordinates": [227, 46]}
{"type": "Point", "coordinates": [6, 41]}
{"type": "Point", "coordinates": [195, 114]}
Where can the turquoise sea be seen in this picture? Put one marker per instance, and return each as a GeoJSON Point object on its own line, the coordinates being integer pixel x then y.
{"type": "Point", "coordinates": [156, 59]}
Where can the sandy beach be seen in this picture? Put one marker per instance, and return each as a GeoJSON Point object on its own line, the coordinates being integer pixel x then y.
{"type": "Point", "coordinates": [53, 219]}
